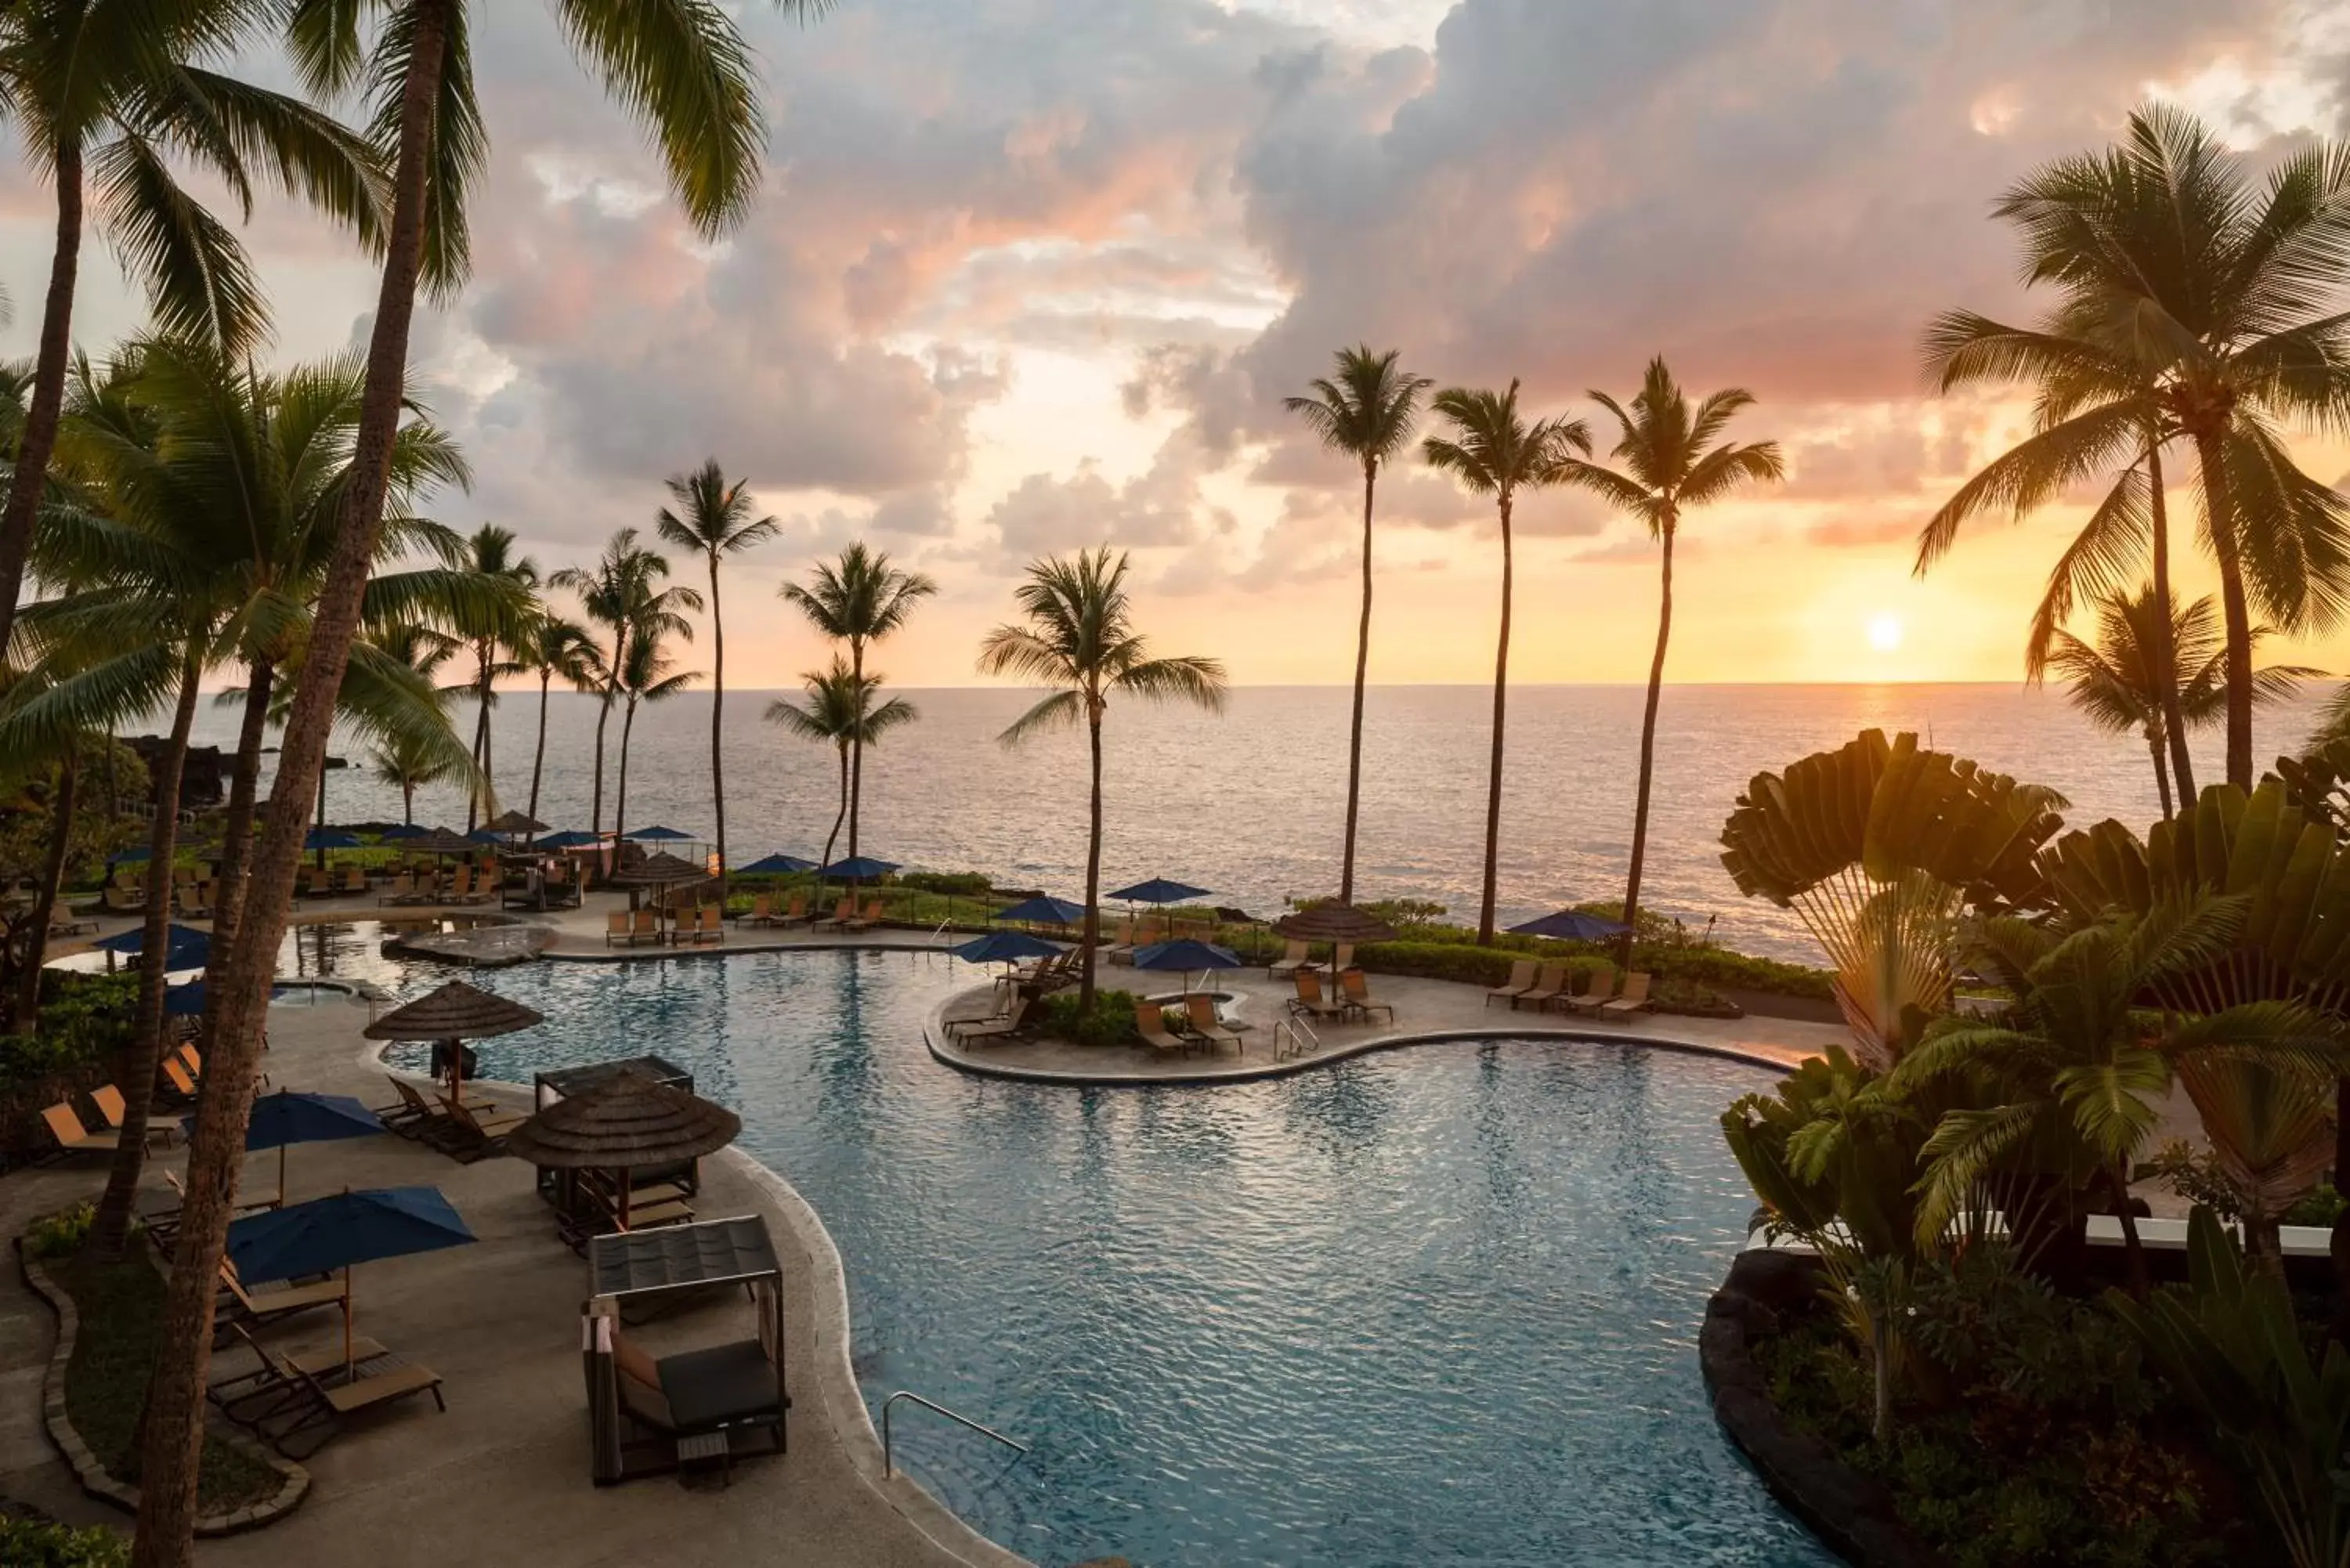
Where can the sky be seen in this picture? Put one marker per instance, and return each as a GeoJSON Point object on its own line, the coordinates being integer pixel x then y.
{"type": "Point", "coordinates": [1034, 275]}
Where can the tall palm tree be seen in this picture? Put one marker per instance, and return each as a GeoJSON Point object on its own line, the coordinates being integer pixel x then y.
{"type": "Point", "coordinates": [556, 649]}
{"type": "Point", "coordinates": [858, 600]}
{"type": "Point", "coordinates": [1489, 450]}
{"type": "Point", "coordinates": [107, 94]}
{"type": "Point", "coordinates": [1671, 461]}
{"type": "Point", "coordinates": [714, 517]}
{"type": "Point", "coordinates": [1366, 409]}
{"type": "Point", "coordinates": [2218, 298]}
{"type": "Point", "coordinates": [648, 675]}
{"type": "Point", "coordinates": [2120, 684]}
{"type": "Point", "coordinates": [490, 638]}
{"type": "Point", "coordinates": [1080, 639]}
{"type": "Point", "coordinates": [407, 761]}
{"type": "Point", "coordinates": [840, 710]}
{"type": "Point", "coordinates": [620, 593]}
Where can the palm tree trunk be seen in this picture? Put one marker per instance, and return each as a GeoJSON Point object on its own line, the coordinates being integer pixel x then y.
{"type": "Point", "coordinates": [1362, 667]}
{"type": "Point", "coordinates": [2141, 1281]}
{"type": "Point", "coordinates": [245, 780]}
{"type": "Point", "coordinates": [408, 803]}
{"type": "Point", "coordinates": [2166, 655]}
{"type": "Point", "coordinates": [176, 1394]}
{"type": "Point", "coordinates": [717, 720]}
{"type": "Point", "coordinates": [474, 799]}
{"type": "Point", "coordinates": [1493, 781]}
{"type": "Point", "coordinates": [837, 817]}
{"type": "Point", "coordinates": [857, 747]}
{"type": "Point", "coordinates": [604, 717]}
{"type": "Point", "coordinates": [135, 1071]}
{"type": "Point", "coordinates": [2220, 509]}
{"type": "Point", "coordinates": [2161, 772]}
{"type": "Point", "coordinates": [1093, 865]}
{"type": "Point", "coordinates": [538, 758]}
{"type": "Point", "coordinates": [41, 414]}
{"type": "Point", "coordinates": [1649, 751]}
{"type": "Point", "coordinates": [45, 899]}
{"type": "Point", "coordinates": [621, 794]}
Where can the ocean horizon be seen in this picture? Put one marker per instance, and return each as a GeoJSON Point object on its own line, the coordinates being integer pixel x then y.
{"type": "Point", "coordinates": [1251, 804]}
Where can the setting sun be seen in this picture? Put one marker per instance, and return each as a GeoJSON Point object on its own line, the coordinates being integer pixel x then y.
{"type": "Point", "coordinates": [1885, 632]}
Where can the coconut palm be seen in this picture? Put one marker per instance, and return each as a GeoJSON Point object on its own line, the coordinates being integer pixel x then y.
{"type": "Point", "coordinates": [1080, 639]}
{"type": "Point", "coordinates": [108, 95]}
{"type": "Point", "coordinates": [408, 761]}
{"type": "Point", "coordinates": [1671, 461]}
{"type": "Point", "coordinates": [556, 649]}
{"type": "Point", "coordinates": [840, 710]}
{"type": "Point", "coordinates": [647, 675]}
{"type": "Point", "coordinates": [622, 592]}
{"type": "Point", "coordinates": [1365, 410]}
{"type": "Point", "coordinates": [489, 553]}
{"type": "Point", "coordinates": [1489, 450]}
{"type": "Point", "coordinates": [714, 517]}
{"type": "Point", "coordinates": [2207, 307]}
{"type": "Point", "coordinates": [2120, 685]}
{"type": "Point", "coordinates": [858, 600]}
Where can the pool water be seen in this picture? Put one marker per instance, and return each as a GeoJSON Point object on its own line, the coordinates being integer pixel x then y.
{"type": "Point", "coordinates": [1432, 1308]}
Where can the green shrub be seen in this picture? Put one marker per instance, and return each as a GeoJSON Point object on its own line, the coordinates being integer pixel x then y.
{"type": "Point", "coordinates": [961, 883]}
{"type": "Point", "coordinates": [31, 1543]}
{"type": "Point", "coordinates": [29, 1058]}
{"type": "Point", "coordinates": [1111, 1021]}
{"type": "Point", "coordinates": [61, 1234]}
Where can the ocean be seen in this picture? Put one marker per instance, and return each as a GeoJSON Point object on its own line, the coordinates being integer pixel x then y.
{"type": "Point", "coordinates": [1252, 804]}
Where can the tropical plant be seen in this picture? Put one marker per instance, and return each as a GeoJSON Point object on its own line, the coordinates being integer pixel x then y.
{"type": "Point", "coordinates": [2271, 1126]}
{"type": "Point", "coordinates": [1489, 450]}
{"type": "Point", "coordinates": [1365, 410]}
{"type": "Point", "coordinates": [714, 517]}
{"type": "Point", "coordinates": [1877, 846]}
{"type": "Point", "coordinates": [647, 674]}
{"type": "Point", "coordinates": [839, 711]}
{"type": "Point", "coordinates": [107, 94]}
{"type": "Point", "coordinates": [858, 600]}
{"type": "Point", "coordinates": [405, 760]}
{"type": "Point", "coordinates": [1080, 639]}
{"type": "Point", "coordinates": [553, 649]}
{"type": "Point", "coordinates": [2121, 684]}
{"type": "Point", "coordinates": [620, 592]}
{"type": "Point", "coordinates": [2232, 1348]}
{"type": "Point", "coordinates": [490, 638]}
{"type": "Point", "coordinates": [1672, 460]}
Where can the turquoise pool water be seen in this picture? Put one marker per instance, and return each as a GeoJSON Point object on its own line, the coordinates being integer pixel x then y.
{"type": "Point", "coordinates": [1432, 1309]}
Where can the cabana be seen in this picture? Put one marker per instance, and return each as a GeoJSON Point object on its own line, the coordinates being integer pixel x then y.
{"type": "Point", "coordinates": [646, 1415]}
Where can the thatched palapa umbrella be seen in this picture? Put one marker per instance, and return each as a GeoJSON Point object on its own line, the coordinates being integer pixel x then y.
{"type": "Point", "coordinates": [627, 1124]}
{"type": "Point", "coordinates": [455, 1012]}
{"type": "Point", "coordinates": [1334, 922]}
{"type": "Point", "coordinates": [659, 869]}
{"type": "Point", "coordinates": [439, 841]}
{"type": "Point", "coordinates": [513, 825]}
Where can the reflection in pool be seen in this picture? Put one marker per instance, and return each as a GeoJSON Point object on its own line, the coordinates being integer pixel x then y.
{"type": "Point", "coordinates": [1434, 1308]}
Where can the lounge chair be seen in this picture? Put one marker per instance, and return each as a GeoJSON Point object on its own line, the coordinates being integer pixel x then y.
{"type": "Point", "coordinates": [407, 1113]}
{"type": "Point", "coordinates": [710, 926]}
{"type": "Point", "coordinates": [354, 880]}
{"type": "Point", "coordinates": [1521, 981]}
{"type": "Point", "coordinates": [116, 899]}
{"type": "Point", "coordinates": [715, 1392]}
{"type": "Point", "coordinates": [1293, 957]}
{"type": "Point", "coordinates": [1548, 986]}
{"type": "Point", "coordinates": [297, 1406]}
{"type": "Point", "coordinates": [1309, 998]}
{"type": "Point", "coordinates": [117, 1110]}
{"type": "Point", "coordinates": [1591, 996]}
{"type": "Point", "coordinates": [479, 1136]}
{"type": "Point", "coordinates": [795, 913]}
{"type": "Point", "coordinates": [238, 1308]}
{"type": "Point", "coordinates": [397, 889]}
{"type": "Point", "coordinates": [1002, 1027]}
{"type": "Point", "coordinates": [1150, 1022]}
{"type": "Point", "coordinates": [645, 926]}
{"type": "Point", "coordinates": [1357, 993]}
{"type": "Point", "coordinates": [1206, 1025]}
{"type": "Point", "coordinates": [196, 900]}
{"type": "Point", "coordinates": [616, 927]}
{"type": "Point", "coordinates": [761, 911]}
{"type": "Point", "coordinates": [71, 1135]}
{"type": "Point", "coordinates": [842, 913]}
{"type": "Point", "coordinates": [1631, 999]}
{"type": "Point", "coordinates": [866, 921]}
{"type": "Point", "coordinates": [182, 1082]}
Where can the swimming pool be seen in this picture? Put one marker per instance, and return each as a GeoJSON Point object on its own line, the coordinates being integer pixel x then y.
{"type": "Point", "coordinates": [1431, 1308]}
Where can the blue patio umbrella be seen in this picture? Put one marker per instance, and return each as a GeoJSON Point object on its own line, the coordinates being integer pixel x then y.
{"type": "Point", "coordinates": [575, 838]}
{"type": "Point", "coordinates": [184, 947]}
{"type": "Point", "coordinates": [863, 868]}
{"type": "Point", "coordinates": [1006, 947]}
{"type": "Point", "coordinates": [657, 835]}
{"type": "Point", "coordinates": [1573, 926]}
{"type": "Point", "coordinates": [778, 866]}
{"type": "Point", "coordinates": [140, 852]}
{"type": "Point", "coordinates": [484, 836]}
{"type": "Point", "coordinates": [1187, 955]}
{"type": "Point", "coordinates": [286, 1117]}
{"type": "Point", "coordinates": [1044, 911]}
{"type": "Point", "coordinates": [329, 838]}
{"type": "Point", "coordinates": [405, 830]}
{"type": "Point", "coordinates": [187, 1000]}
{"type": "Point", "coordinates": [1160, 890]}
{"type": "Point", "coordinates": [339, 1231]}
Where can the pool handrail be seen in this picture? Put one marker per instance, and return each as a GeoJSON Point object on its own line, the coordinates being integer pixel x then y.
{"type": "Point", "coordinates": [888, 1467]}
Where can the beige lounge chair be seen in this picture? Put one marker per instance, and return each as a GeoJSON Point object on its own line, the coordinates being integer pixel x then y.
{"type": "Point", "coordinates": [1521, 981]}
{"type": "Point", "coordinates": [116, 1110]}
{"type": "Point", "coordinates": [842, 913]}
{"type": "Point", "coordinates": [1150, 1022]}
{"type": "Point", "coordinates": [119, 900]}
{"type": "Point", "coordinates": [1309, 998]}
{"type": "Point", "coordinates": [1357, 993]}
{"type": "Point", "coordinates": [182, 1082]}
{"type": "Point", "coordinates": [795, 913]}
{"type": "Point", "coordinates": [1631, 999]}
{"type": "Point", "coordinates": [240, 1308]}
{"type": "Point", "coordinates": [1294, 956]}
{"type": "Point", "coordinates": [397, 889]}
{"type": "Point", "coordinates": [763, 910]}
{"type": "Point", "coordinates": [616, 927]}
{"type": "Point", "coordinates": [1548, 986]}
{"type": "Point", "coordinates": [354, 880]}
{"type": "Point", "coordinates": [71, 1135]}
{"type": "Point", "coordinates": [1205, 1025]}
{"type": "Point", "coordinates": [709, 924]}
{"type": "Point", "coordinates": [866, 921]}
{"type": "Point", "coordinates": [997, 1028]}
{"type": "Point", "coordinates": [645, 926]}
{"type": "Point", "coordinates": [1594, 993]}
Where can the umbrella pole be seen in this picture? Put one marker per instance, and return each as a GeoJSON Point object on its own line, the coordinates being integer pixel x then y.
{"type": "Point", "coordinates": [346, 1323]}
{"type": "Point", "coordinates": [623, 1196]}
{"type": "Point", "coordinates": [281, 1176]}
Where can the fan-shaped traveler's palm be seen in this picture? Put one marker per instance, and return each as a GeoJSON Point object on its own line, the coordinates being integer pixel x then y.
{"type": "Point", "coordinates": [859, 599]}
{"type": "Point", "coordinates": [840, 711]}
{"type": "Point", "coordinates": [1489, 449]}
{"type": "Point", "coordinates": [713, 516]}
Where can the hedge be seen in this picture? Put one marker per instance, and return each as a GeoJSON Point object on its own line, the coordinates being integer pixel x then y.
{"type": "Point", "coordinates": [38, 1543]}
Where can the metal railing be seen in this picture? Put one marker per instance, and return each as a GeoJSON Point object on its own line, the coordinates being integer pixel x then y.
{"type": "Point", "coordinates": [888, 1465]}
{"type": "Point", "coordinates": [1302, 1038]}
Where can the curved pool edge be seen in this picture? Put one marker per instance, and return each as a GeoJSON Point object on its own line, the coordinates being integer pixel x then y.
{"type": "Point", "coordinates": [834, 1370]}
{"type": "Point", "coordinates": [943, 1051]}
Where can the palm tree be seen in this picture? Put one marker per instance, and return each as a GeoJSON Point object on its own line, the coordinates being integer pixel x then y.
{"type": "Point", "coordinates": [2206, 310]}
{"type": "Point", "coordinates": [1080, 640]}
{"type": "Point", "coordinates": [2120, 685]}
{"type": "Point", "coordinates": [858, 600]}
{"type": "Point", "coordinates": [1671, 460]}
{"type": "Point", "coordinates": [648, 675]}
{"type": "Point", "coordinates": [619, 594]}
{"type": "Point", "coordinates": [489, 553]}
{"type": "Point", "coordinates": [556, 649]}
{"type": "Point", "coordinates": [714, 517]}
{"type": "Point", "coordinates": [106, 91]}
{"type": "Point", "coordinates": [1492, 450]}
{"type": "Point", "coordinates": [407, 761]}
{"type": "Point", "coordinates": [1365, 410]}
{"type": "Point", "coordinates": [839, 711]}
